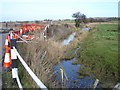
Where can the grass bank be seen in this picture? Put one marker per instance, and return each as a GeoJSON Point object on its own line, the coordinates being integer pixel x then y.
{"type": "Point", "coordinates": [99, 54]}
{"type": "Point", "coordinates": [59, 32]}
{"type": "Point", "coordinates": [42, 55]}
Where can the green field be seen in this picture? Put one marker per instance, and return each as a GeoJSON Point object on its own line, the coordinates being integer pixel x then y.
{"type": "Point", "coordinates": [99, 54]}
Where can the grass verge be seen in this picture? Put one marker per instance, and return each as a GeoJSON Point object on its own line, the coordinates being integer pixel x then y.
{"type": "Point", "coordinates": [99, 54]}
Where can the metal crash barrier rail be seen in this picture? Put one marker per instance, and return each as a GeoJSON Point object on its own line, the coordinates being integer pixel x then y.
{"type": "Point", "coordinates": [10, 60]}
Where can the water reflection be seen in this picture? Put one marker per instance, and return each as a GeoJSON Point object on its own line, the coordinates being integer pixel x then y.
{"type": "Point", "coordinates": [69, 39]}
{"type": "Point", "coordinates": [86, 29]}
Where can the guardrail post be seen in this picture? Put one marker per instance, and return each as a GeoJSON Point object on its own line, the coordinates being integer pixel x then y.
{"type": "Point", "coordinates": [14, 60]}
{"type": "Point", "coordinates": [15, 77]}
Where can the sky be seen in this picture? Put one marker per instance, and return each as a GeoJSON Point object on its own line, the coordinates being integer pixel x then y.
{"type": "Point", "coordinates": [23, 10]}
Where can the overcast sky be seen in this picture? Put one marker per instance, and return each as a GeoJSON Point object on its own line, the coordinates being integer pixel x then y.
{"type": "Point", "coordinates": [12, 10]}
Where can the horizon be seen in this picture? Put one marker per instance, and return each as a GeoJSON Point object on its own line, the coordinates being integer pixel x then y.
{"type": "Point", "coordinates": [54, 19]}
{"type": "Point", "coordinates": [31, 10]}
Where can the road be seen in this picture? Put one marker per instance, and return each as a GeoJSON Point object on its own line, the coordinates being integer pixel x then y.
{"type": "Point", "coordinates": [2, 41]}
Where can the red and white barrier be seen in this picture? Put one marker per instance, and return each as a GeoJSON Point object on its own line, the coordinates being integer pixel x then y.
{"type": "Point", "coordinates": [7, 55]}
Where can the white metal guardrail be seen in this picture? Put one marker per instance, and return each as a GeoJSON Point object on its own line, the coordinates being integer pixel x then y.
{"type": "Point", "coordinates": [14, 54]}
{"type": "Point", "coordinates": [34, 77]}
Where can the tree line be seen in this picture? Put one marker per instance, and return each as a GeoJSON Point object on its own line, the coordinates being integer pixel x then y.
{"type": "Point", "coordinates": [82, 18]}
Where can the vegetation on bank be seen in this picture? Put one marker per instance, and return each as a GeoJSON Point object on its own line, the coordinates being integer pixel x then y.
{"type": "Point", "coordinates": [42, 55]}
{"type": "Point", "coordinates": [60, 32]}
{"type": "Point", "coordinates": [99, 54]}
